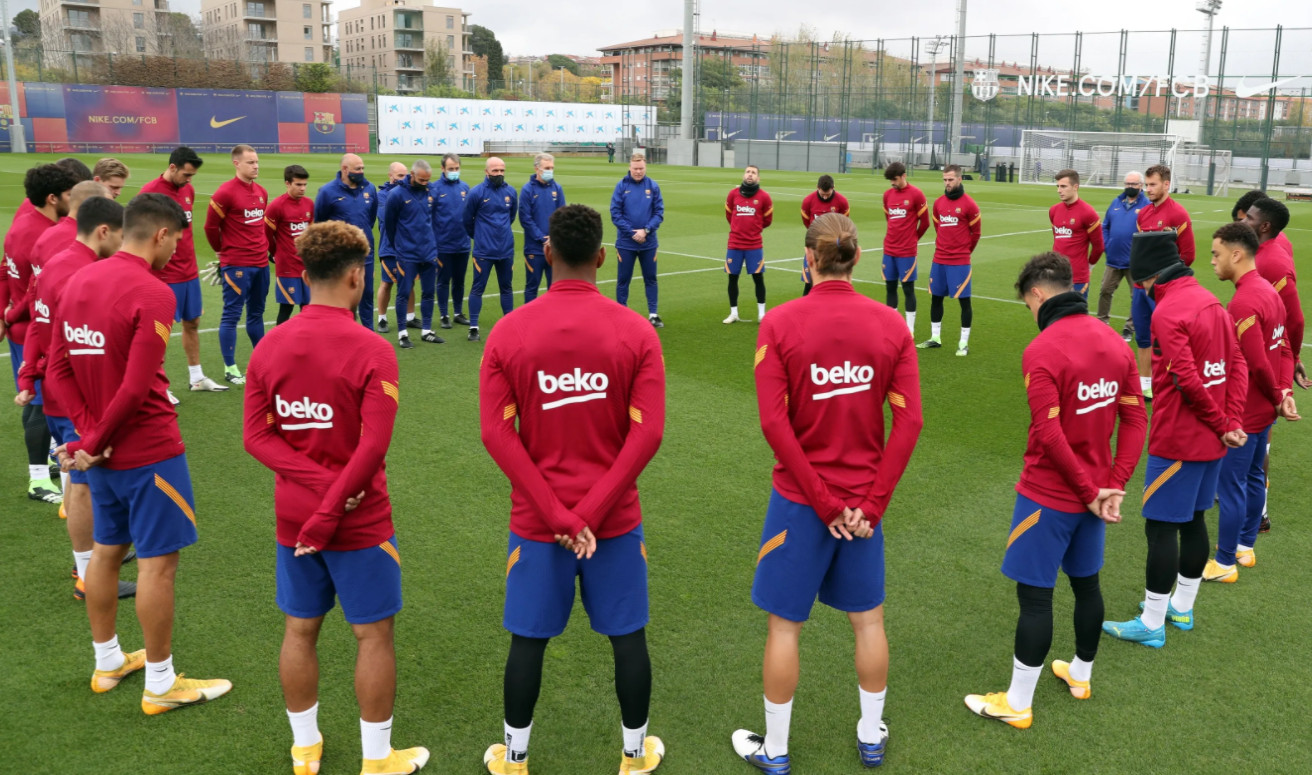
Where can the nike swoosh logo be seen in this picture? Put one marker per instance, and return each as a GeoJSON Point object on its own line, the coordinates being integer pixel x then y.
{"type": "Point", "coordinates": [1244, 91]}
{"type": "Point", "coordinates": [215, 123]}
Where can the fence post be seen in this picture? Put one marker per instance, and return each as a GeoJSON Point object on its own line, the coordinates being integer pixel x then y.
{"type": "Point", "coordinates": [1270, 111]}
{"type": "Point", "coordinates": [111, 67]}
{"type": "Point", "coordinates": [76, 79]}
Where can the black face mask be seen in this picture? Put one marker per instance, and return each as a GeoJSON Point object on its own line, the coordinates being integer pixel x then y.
{"type": "Point", "coordinates": [495, 180]}
{"type": "Point", "coordinates": [749, 189]}
{"type": "Point", "coordinates": [356, 178]}
{"type": "Point", "coordinates": [955, 193]}
{"type": "Point", "coordinates": [1131, 193]}
{"type": "Point", "coordinates": [416, 185]}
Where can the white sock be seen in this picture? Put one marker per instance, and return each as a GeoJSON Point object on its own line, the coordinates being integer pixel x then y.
{"type": "Point", "coordinates": [63, 481]}
{"type": "Point", "coordinates": [401, 334]}
{"type": "Point", "coordinates": [733, 312]}
{"type": "Point", "coordinates": [1242, 548]}
{"type": "Point", "coordinates": [760, 309]}
{"type": "Point", "coordinates": [305, 726]}
{"type": "Point", "coordinates": [1154, 610]}
{"type": "Point", "coordinates": [517, 742]}
{"type": "Point", "coordinates": [872, 712]}
{"type": "Point", "coordinates": [426, 331]}
{"type": "Point", "coordinates": [195, 373]}
{"type": "Point", "coordinates": [382, 318]}
{"type": "Point", "coordinates": [1081, 670]}
{"type": "Point", "coordinates": [936, 331]}
{"type": "Point", "coordinates": [1145, 383]}
{"type": "Point", "coordinates": [778, 717]}
{"type": "Point", "coordinates": [634, 745]}
{"type": "Point", "coordinates": [80, 559]}
{"type": "Point", "coordinates": [1185, 592]}
{"type": "Point", "coordinates": [38, 473]}
{"type": "Point", "coordinates": [409, 316]}
{"type": "Point", "coordinates": [160, 675]}
{"type": "Point", "coordinates": [376, 738]}
{"type": "Point", "coordinates": [1023, 680]}
{"type": "Point", "coordinates": [965, 337]}
{"type": "Point", "coordinates": [911, 322]}
{"type": "Point", "coordinates": [108, 654]}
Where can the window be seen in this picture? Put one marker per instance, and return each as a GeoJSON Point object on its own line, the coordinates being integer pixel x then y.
{"type": "Point", "coordinates": [309, 54]}
{"type": "Point", "coordinates": [254, 31]}
{"type": "Point", "coordinates": [450, 22]}
{"type": "Point", "coordinates": [141, 45]}
{"type": "Point", "coordinates": [81, 41]}
{"type": "Point", "coordinates": [306, 11]}
{"type": "Point", "coordinates": [309, 32]}
{"type": "Point", "coordinates": [79, 19]}
{"type": "Point", "coordinates": [450, 42]}
{"type": "Point", "coordinates": [255, 9]}
{"type": "Point", "coordinates": [139, 21]}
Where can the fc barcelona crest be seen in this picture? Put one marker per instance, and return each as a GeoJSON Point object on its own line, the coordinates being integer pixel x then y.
{"type": "Point", "coordinates": [985, 86]}
{"type": "Point", "coordinates": [6, 116]}
{"type": "Point", "coordinates": [324, 123]}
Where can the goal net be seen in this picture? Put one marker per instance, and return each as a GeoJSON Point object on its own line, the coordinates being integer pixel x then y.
{"type": "Point", "coordinates": [1101, 158]}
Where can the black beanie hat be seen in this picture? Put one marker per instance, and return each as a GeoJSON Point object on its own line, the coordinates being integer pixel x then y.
{"type": "Point", "coordinates": [1152, 252]}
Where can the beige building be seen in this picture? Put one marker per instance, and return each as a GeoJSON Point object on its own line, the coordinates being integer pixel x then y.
{"type": "Point", "coordinates": [392, 38]}
{"type": "Point", "coordinates": [291, 31]}
{"type": "Point", "coordinates": [102, 26]}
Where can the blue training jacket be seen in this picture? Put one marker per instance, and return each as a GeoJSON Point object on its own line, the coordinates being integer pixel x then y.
{"type": "Point", "coordinates": [489, 214]}
{"type": "Point", "coordinates": [408, 222]}
{"type": "Point", "coordinates": [449, 215]}
{"type": "Point", "coordinates": [357, 206]}
{"type": "Point", "coordinates": [633, 206]}
{"type": "Point", "coordinates": [537, 201]}
{"type": "Point", "coordinates": [384, 244]}
{"type": "Point", "coordinates": [1118, 228]}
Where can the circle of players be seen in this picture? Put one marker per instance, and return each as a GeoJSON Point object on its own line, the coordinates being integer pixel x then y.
{"type": "Point", "coordinates": [94, 289]}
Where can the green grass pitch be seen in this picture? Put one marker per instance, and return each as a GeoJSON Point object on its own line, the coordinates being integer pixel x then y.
{"type": "Point", "coordinates": [1229, 696]}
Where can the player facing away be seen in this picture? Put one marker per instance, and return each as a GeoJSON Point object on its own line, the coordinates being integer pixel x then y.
{"type": "Point", "coordinates": [1163, 213]}
{"type": "Point", "coordinates": [387, 256]}
{"type": "Point", "coordinates": [538, 199]}
{"type": "Point", "coordinates": [111, 332]}
{"type": "Point", "coordinates": [287, 218]}
{"type": "Point", "coordinates": [181, 273]}
{"type": "Point", "coordinates": [907, 215]}
{"type": "Point", "coordinates": [1080, 380]}
{"type": "Point", "coordinates": [585, 379]}
{"type": "Point", "coordinates": [825, 366]}
{"type": "Point", "coordinates": [408, 228]}
{"type": "Point", "coordinates": [956, 233]}
{"type": "Point", "coordinates": [817, 203]}
{"type": "Point", "coordinates": [321, 403]}
{"type": "Point", "coordinates": [1259, 319]}
{"type": "Point", "coordinates": [235, 228]}
{"type": "Point", "coordinates": [351, 198]}
{"type": "Point", "coordinates": [749, 211]}
{"type": "Point", "coordinates": [637, 211]}
{"type": "Point", "coordinates": [1076, 230]}
{"type": "Point", "coordinates": [1201, 384]}
{"type": "Point", "coordinates": [490, 209]}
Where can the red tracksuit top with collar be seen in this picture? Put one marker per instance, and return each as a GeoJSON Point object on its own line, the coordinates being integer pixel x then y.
{"type": "Point", "coordinates": [1276, 265]}
{"type": "Point", "coordinates": [1076, 227]}
{"type": "Point", "coordinates": [286, 219]}
{"type": "Point", "coordinates": [1080, 379]}
{"type": "Point", "coordinates": [182, 267]}
{"type": "Point", "coordinates": [46, 289]}
{"type": "Point", "coordinates": [907, 214]}
{"type": "Point", "coordinates": [956, 230]}
{"type": "Point", "coordinates": [1200, 379]}
{"type": "Point", "coordinates": [234, 224]}
{"type": "Point", "coordinates": [111, 330]}
{"type": "Point", "coordinates": [825, 365]}
{"type": "Point", "coordinates": [1259, 318]}
{"type": "Point", "coordinates": [19, 244]}
{"type": "Point", "coordinates": [586, 383]}
{"type": "Point", "coordinates": [748, 216]}
{"type": "Point", "coordinates": [321, 403]}
{"type": "Point", "coordinates": [813, 206]}
{"type": "Point", "coordinates": [1170, 215]}
{"type": "Point", "coordinates": [52, 242]}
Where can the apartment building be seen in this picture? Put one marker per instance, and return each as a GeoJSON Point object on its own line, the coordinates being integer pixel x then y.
{"type": "Point", "coordinates": [290, 31]}
{"type": "Point", "coordinates": [391, 39]}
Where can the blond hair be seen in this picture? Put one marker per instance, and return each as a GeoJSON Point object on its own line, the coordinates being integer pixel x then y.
{"type": "Point", "coordinates": [110, 168]}
{"type": "Point", "coordinates": [832, 241]}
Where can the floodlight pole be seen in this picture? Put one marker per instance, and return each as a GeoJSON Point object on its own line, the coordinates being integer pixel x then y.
{"type": "Point", "coordinates": [934, 47]}
{"type": "Point", "coordinates": [685, 86]}
{"type": "Point", "coordinates": [17, 144]}
{"type": "Point", "coordinates": [1208, 8]}
{"type": "Point", "coordinates": [958, 78]}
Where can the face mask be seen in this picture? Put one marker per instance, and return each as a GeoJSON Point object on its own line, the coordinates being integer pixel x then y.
{"type": "Point", "coordinates": [453, 175]}
{"type": "Point", "coordinates": [416, 185]}
{"type": "Point", "coordinates": [548, 175]}
{"type": "Point", "coordinates": [356, 178]}
{"type": "Point", "coordinates": [1131, 193]}
{"type": "Point", "coordinates": [495, 180]}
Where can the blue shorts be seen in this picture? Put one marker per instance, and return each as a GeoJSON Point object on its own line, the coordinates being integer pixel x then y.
{"type": "Point", "coordinates": [1043, 540]}
{"type": "Point", "coordinates": [151, 506]}
{"type": "Point", "coordinates": [540, 586]}
{"type": "Point", "coordinates": [1175, 489]}
{"type": "Point", "coordinates": [1083, 290]}
{"type": "Point", "coordinates": [799, 560]}
{"type": "Point", "coordinates": [392, 270]}
{"type": "Point", "coordinates": [15, 358]}
{"type": "Point", "coordinates": [1141, 313]}
{"type": "Point", "coordinates": [900, 270]}
{"type": "Point", "coordinates": [61, 428]}
{"type": "Point", "coordinates": [367, 581]}
{"type": "Point", "coordinates": [291, 290]}
{"type": "Point", "coordinates": [950, 280]}
{"type": "Point", "coordinates": [754, 259]}
{"type": "Point", "coordinates": [190, 304]}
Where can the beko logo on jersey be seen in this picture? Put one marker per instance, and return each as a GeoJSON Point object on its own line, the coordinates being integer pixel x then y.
{"type": "Point", "coordinates": [590, 386]}
{"type": "Point", "coordinates": [845, 379]}
{"type": "Point", "coordinates": [315, 415]}
{"type": "Point", "coordinates": [42, 311]}
{"type": "Point", "coordinates": [746, 210]}
{"type": "Point", "coordinates": [1062, 232]}
{"type": "Point", "coordinates": [1104, 391]}
{"type": "Point", "coordinates": [897, 212]}
{"type": "Point", "coordinates": [94, 341]}
{"type": "Point", "coordinates": [1216, 370]}
{"type": "Point", "coordinates": [948, 220]}
{"type": "Point", "coordinates": [297, 228]}
{"type": "Point", "coordinates": [254, 216]}
{"type": "Point", "coordinates": [1276, 336]}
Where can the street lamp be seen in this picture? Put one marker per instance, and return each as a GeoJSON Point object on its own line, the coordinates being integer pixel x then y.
{"type": "Point", "coordinates": [1208, 8]}
{"type": "Point", "coordinates": [938, 43]}
{"type": "Point", "coordinates": [17, 144]}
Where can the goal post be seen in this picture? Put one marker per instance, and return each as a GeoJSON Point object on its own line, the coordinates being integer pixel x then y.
{"type": "Point", "coordinates": [1101, 158]}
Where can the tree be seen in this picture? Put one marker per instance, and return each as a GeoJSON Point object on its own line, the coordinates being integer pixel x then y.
{"type": "Point", "coordinates": [316, 77]}
{"type": "Point", "coordinates": [558, 61]}
{"type": "Point", "coordinates": [437, 65]}
{"type": "Point", "coordinates": [181, 36]}
{"type": "Point", "coordinates": [484, 43]}
{"type": "Point", "coordinates": [28, 24]}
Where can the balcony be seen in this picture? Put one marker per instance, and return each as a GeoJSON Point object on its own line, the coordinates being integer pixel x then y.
{"type": "Point", "coordinates": [408, 21]}
{"type": "Point", "coordinates": [410, 68]}
{"type": "Point", "coordinates": [162, 6]}
{"type": "Point", "coordinates": [408, 43]}
{"type": "Point", "coordinates": [261, 41]}
{"type": "Point", "coordinates": [81, 3]}
{"type": "Point", "coordinates": [89, 25]}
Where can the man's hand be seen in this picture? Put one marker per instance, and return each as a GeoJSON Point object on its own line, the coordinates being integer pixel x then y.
{"type": "Point", "coordinates": [1111, 509]}
{"type": "Point", "coordinates": [640, 235]}
{"type": "Point", "coordinates": [24, 398]}
{"type": "Point", "coordinates": [304, 549]}
{"type": "Point", "coordinates": [1300, 373]}
{"type": "Point", "coordinates": [65, 459]}
{"type": "Point", "coordinates": [2, 329]}
{"type": "Point", "coordinates": [584, 545]}
{"type": "Point", "coordinates": [860, 525]}
{"type": "Point", "coordinates": [838, 528]}
{"type": "Point", "coordinates": [85, 462]}
{"type": "Point", "coordinates": [1098, 506]}
{"type": "Point", "coordinates": [1288, 409]}
{"type": "Point", "coordinates": [1235, 439]}
{"type": "Point", "coordinates": [354, 502]}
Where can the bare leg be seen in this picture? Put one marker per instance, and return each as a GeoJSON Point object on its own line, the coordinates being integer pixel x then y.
{"type": "Point", "coordinates": [155, 603]}
{"type": "Point", "coordinates": [298, 663]}
{"type": "Point", "coordinates": [871, 649]}
{"type": "Point", "coordinates": [782, 666]}
{"type": "Point", "coordinates": [375, 670]}
{"type": "Point", "coordinates": [191, 341]}
{"type": "Point", "coordinates": [77, 507]}
{"type": "Point", "coordinates": [102, 589]}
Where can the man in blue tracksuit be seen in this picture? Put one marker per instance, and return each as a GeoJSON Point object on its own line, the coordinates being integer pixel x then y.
{"type": "Point", "coordinates": [637, 210]}
{"type": "Point", "coordinates": [452, 241]}
{"type": "Point", "coordinates": [408, 224]}
{"type": "Point", "coordinates": [540, 197]}
{"type": "Point", "coordinates": [354, 200]}
{"type": "Point", "coordinates": [391, 268]}
{"type": "Point", "coordinates": [1118, 228]}
{"type": "Point", "coordinates": [490, 210]}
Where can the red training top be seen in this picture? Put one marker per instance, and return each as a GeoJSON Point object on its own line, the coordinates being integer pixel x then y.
{"type": "Point", "coordinates": [1170, 215]}
{"type": "Point", "coordinates": [286, 219]}
{"type": "Point", "coordinates": [1080, 378]}
{"type": "Point", "coordinates": [321, 401]}
{"type": "Point", "coordinates": [53, 241]}
{"type": "Point", "coordinates": [1077, 235]}
{"type": "Point", "coordinates": [587, 383]}
{"type": "Point", "coordinates": [813, 206]}
{"type": "Point", "coordinates": [1259, 317]}
{"type": "Point", "coordinates": [1200, 379]}
{"type": "Point", "coordinates": [748, 216]}
{"type": "Point", "coordinates": [907, 215]}
{"type": "Point", "coordinates": [1277, 267]}
{"type": "Point", "coordinates": [234, 224]}
{"type": "Point", "coordinates": [956, 230]}
{"type": "Point", "coordinates": [1284, 243]}
{"type": "Point", "coordinates": [111, 327]}
{"type": "Point", "coordinates": [825, 364]}
{"type": "Point", "coordinates": [46, 289]}
{"type": "Point", "coordinates": [182, 267]}
{"type": "Point", "coordinates": [19, 244]}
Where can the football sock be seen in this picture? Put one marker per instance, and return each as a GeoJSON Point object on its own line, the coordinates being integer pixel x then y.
{"type": "Point", "coordinates": [1145, 384]}
{"type": "Point", "coordinates": [195, 373]}
{"type": "Point", "coordinates": [935, 309]}
{"type": "Point", "coordinates": [284, 313]}
{"type": "Point", "coordinates": [633, 740]}
{"type": "Point", "coordinates": [1089, 614]}
{"type": "Point", "coordinates": [376, 738]}
{"type": "Point", "coordinates": [872, 712]}
{"type": "Point", "coordinates": [1154, 610]}
{"type": "Point", "coordinates": [965, 337]}
{"type": "Point", "coordinates": [1242, 548]}
{"type": "Point", "coordinates": [1163, 561]}
{"type": "Point", "coordinates": [305, 726]}
{"type": "Point", "coordinates": [382, 318]}
{"type": "Point", "coordinates": [63, 481]}
{"type": "Point", "coordinates": [1194, 547]}
{"type": "Point", "coordinates": [1023, 680]}
{"type": "Point", "coordinates": [733, 312]}
{"type": "Point", "coordinates": [936, 331]}
{"type": "Point", "coordinates": [890, 293]}
{"type": "Point", "coordinates": [39, 473]}
{"type": "Point", "coordinates": [108, 654]}
{"type": "Point", "coordinates": [733, 291]}
{"type": "Point", "coordinates": [967, 313]}
{"type": "Point", "coordinates": [760, 309]}
{"type": "Point", "coordinates": [160, 676]}
{"type": "Point", "coordinates": [1033, 626]}
{"type": "Point", "coordinates": [632, 677]}
{"type": "Point", "coordinates": [36, 435]}
{"type": "Point", "coordinates": [517, 742]}
{"type": "Point", "coordinates": [758, 280]}
{"type": "Point", "coordinates": [911, 322]}
{"type": "Point", "coordinates": [909, 293]}
{"type": "Point", "coordinates": [426, 331]}
{"type": "Point", "coordinates": [80, 559]}
{"type": "Point", "coordinates": [409, 316]}
{"type": "Point", "coordinates": [778, 717]}
{"type": "Point", "coordinates": [1081, 670]}
{"type": "Point", "coordinates": [523, 680]}
{"type": "Point", "coordinates": [1186, 590]}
